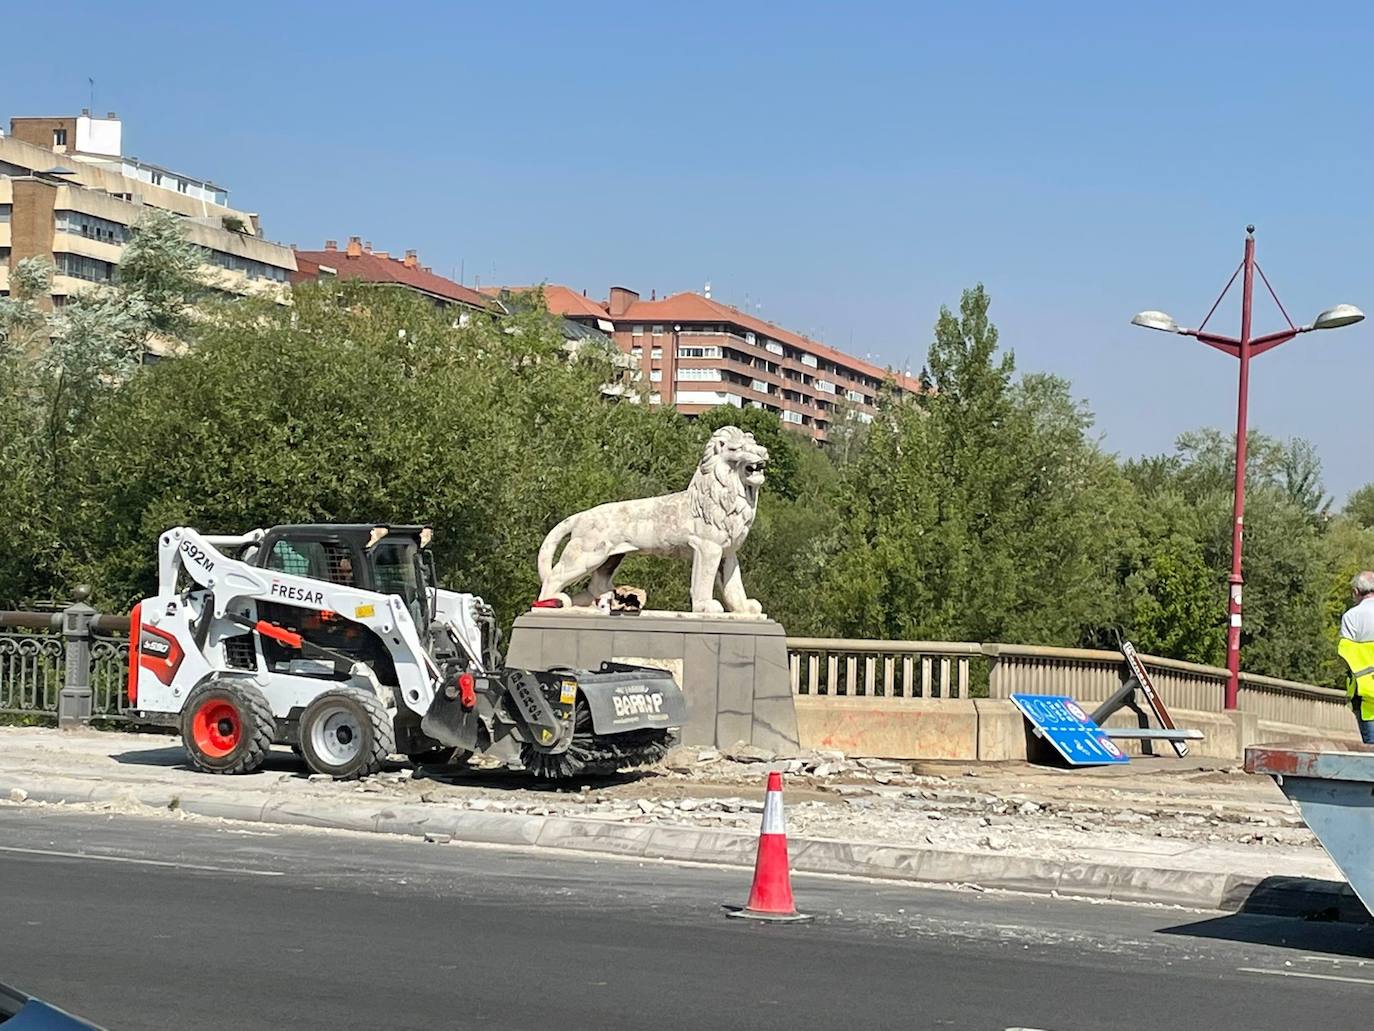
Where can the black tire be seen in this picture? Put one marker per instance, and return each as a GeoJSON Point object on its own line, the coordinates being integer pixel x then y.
{"type": "Point", "coordinates": [346, 733]}
{"type": "Point", "coordinates": [227, 726]}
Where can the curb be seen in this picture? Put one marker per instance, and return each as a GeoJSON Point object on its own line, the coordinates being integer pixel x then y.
{"type": "Point", "coordinates": [1300, 897]}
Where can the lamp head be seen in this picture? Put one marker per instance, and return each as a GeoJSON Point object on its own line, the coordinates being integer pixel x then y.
{"type": "Point", "coordinates": [1156, 320]}
{"type": "Point", "coordinates": [1340, 315]}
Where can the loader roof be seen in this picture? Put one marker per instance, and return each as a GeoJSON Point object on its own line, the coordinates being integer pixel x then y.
{"type": "Point", "coordinates": [361, 535]}
{"type": "Point", "coordinates": [407, 529]}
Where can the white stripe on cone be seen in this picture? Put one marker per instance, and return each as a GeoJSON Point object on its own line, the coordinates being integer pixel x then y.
{"type": "Point", "coordinates": [773, 822]}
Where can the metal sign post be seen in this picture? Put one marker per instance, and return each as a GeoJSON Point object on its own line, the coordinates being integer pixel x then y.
{"type": "Point", "coordinates": [1139, 680]}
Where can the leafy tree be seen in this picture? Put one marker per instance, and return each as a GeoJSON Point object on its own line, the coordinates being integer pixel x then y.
{"type": "Point", "coordinates": [364, 404]}
{"type": "Point", "coordinates": [1285, 612]}
{"type": "Point", "coordinates": [978, 511]}
{"type": "Point", "coordinates": [162, 269]}
{"type": "Point", "coordinates": [22, 321]}
{"type": "Point", "coordinates": [1360, 506]}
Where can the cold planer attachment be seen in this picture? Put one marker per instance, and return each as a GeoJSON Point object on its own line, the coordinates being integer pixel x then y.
{"type": "Point", "coordinates": [566, 722]}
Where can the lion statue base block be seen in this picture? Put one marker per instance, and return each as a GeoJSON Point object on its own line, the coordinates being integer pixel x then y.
{"type": "Point", "coordinates": [733, 669]}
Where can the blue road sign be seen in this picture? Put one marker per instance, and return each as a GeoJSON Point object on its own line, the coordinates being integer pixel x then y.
{"type": "Point", "coordinates": [1063, 723]}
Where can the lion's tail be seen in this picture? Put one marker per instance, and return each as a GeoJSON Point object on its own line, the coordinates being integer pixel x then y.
{"type": "Point", "coordinates": [550, 545]}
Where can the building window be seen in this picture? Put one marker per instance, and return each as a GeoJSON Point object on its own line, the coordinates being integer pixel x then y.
{"type": "Point", "coordinates": [697, 374]}
{"type": "Point", "coordinates": [78, 266]}
{"type": "Point", "coordinates": [637, 353]}
{"type": "Point", "coordinates": [59, 137]}
{"type": "Point", "coordinates": [637, 331]}
{"type": "Point", "coordinates": [792, 417]}
{"type": "Point", "coordinates": [250, 267]}
{"type": "Point", "coordinates": [698, 352]}
{"type": "Point", "coordinates": [656, 376]}
{"type": "Point", "coordinates": [656, 352]}
{"type": "Point", "coordinates": [655, 398]}
{"type": "Point", "coordinates": [4, 212]}
{"type": "Point", "coordinates": [79, 223]}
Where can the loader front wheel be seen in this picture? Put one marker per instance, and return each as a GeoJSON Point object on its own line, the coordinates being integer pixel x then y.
{"type": "Point", "coordinates": [227, 727]}
{"type": "Point", "coordinates": [346, 733]}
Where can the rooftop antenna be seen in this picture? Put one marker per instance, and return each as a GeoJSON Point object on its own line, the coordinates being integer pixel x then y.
{"type": "Point", "coordinates": [91, 82]}
{"type": "Point", "coordinates": [708, 289]}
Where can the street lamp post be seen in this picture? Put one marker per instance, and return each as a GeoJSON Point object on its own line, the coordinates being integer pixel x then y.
{"type": "Point", "coordinates": [1244, 349]}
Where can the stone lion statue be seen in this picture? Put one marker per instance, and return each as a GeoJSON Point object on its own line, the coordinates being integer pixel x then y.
{"type": "Point", "coordinates": [707, 522]}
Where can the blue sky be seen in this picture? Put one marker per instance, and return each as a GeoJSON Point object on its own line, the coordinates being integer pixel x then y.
{"type": "Point", "coordinates": [844, 169]}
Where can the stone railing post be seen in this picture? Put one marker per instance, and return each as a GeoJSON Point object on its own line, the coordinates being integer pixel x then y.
{"type": "Point", "coordinates": [74, 701]}
{"type": "Point", "coordinates": [996, 672]}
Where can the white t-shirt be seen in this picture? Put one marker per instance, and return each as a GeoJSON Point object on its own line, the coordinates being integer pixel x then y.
{"type": "Point", "coordinates": [1358, 622]}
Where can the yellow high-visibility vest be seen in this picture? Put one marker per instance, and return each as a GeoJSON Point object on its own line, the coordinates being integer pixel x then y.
{"type": "Point", "coordinates": [1359, 680]}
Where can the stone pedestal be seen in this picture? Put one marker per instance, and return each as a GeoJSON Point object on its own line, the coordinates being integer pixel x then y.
{"type": "Point", "coordinates": [732, 669]}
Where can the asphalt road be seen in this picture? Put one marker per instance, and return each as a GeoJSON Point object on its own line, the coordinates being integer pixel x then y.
{"type": "Point", "coordinates": [153, 923]}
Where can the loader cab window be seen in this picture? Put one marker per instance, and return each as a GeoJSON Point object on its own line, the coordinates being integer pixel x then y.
{"type": "Point", "coordinates": [396, 562]}
{"type": "Point", "coordinates": [320, 560]}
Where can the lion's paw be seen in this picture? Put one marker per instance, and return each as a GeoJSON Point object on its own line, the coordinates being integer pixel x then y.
{"type": "Point", "coordinates": [753, 607]}
{"type": "Point", "coordinates": [709, 607]}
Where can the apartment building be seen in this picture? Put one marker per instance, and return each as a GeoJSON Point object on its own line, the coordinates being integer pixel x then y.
{"type": "Point", "coordinates": [697, 353]}
{"type": "Point", "coordinates": [358, 261]}
{"type": "Point", "coordinates": [68, 194]}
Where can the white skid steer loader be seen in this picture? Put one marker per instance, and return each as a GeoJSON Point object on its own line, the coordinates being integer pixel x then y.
{"type": "Point", "coordinates": [335, 639]}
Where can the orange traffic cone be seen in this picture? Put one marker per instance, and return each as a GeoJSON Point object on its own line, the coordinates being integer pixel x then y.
{"type": "Point", "coordinates": [770, 898]}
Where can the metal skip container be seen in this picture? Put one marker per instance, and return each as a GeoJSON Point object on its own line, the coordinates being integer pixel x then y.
{"type": "Point", "coordinates": [1332, 784]}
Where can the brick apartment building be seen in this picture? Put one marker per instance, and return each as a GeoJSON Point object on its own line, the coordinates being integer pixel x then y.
{"type": "Point", "coordinates": [70, 195]}
{"type": "Point", "coordinates": [697, 353]}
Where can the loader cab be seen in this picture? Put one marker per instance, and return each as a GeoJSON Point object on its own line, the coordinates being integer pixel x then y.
{"type": "Point", "coordinates": [369, 556]}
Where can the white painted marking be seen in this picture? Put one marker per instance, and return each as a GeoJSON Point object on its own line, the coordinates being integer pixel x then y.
{"type": "Point", "coordinates": [139, 862]}
{"type": "Point", "coordinates": [1301, 973]}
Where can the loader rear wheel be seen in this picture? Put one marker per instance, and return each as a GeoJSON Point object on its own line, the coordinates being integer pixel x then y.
{"type": "Point", "coordinates": [346, 733]}
{"type": "Point", "coordinates": [227, 726]}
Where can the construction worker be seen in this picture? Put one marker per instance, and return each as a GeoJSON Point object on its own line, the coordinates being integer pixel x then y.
{"type": "Point", "coordinates": [1357, 651]}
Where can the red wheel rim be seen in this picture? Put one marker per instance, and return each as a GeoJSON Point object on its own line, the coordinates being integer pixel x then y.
{"type": "Point", "coordinates": [216, 728]}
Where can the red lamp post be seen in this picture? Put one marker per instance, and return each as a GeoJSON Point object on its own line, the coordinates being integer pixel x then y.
{"type": "Point", "coordinates": [1244, 348]}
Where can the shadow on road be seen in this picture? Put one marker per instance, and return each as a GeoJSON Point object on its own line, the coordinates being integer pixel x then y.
{"type": "Point", "coordinates": [503, 778]}
{"type": "Point", "coordinates": [174, 758]}
{"type": "Point", "coordinates": [497, 778]}
{"type": "Point", "coordinates": [1326, 925]}
{"type": "Point", "coordinates": [1355, 940]}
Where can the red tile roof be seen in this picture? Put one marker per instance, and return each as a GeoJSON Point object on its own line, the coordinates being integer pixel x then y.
{"type": "Point", "coordinates": [560, 300]}
{"type": "Point", "coordinates": [690, 307]}
{"type": "Point", "coordinates": [564, 301]}
{"type": "Point", "coordinates": [374, 268]}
